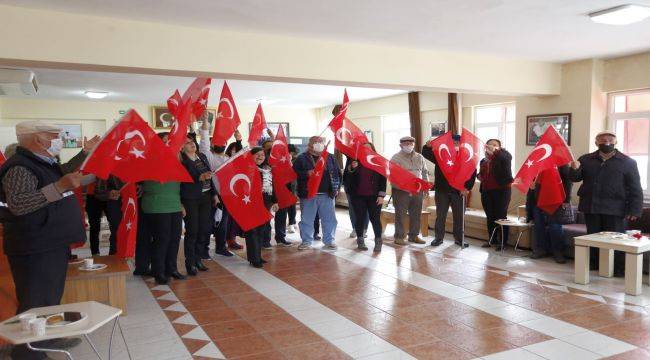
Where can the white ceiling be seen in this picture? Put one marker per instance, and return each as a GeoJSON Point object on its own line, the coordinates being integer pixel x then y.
{"type": "Point", "coordinates": [550, 30]}
{"type": "Point", "coordinates": [155, 89]}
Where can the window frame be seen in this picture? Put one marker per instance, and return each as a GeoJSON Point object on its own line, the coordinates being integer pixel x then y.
{"type": "Point", "coordinates": [502, 124]}
{"type": "Point", "coordinates": [384, 131]}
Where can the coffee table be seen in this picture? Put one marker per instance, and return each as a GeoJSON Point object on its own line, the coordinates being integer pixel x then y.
{"type": "Point", "coordinates": [98, 316]}
{"type": "Point", "coordinates": [607, 243]}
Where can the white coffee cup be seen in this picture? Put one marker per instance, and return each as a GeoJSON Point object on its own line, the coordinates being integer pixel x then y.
{"type": "Point", "coordinates": [632, 232]}
{"type": "Point", "coordinates": [88, 263]}
{"type": "Point", "coordinates": [37, 326]}
{"type": "Point", "coordinates": [25, 319]}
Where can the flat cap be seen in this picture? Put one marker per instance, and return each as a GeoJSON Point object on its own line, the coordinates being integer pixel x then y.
{"type": "Point", "coordinates": [35, 126]}
{"type": "Point", "coordinates": [606, 133]}
{"type": "Point", "coordinates": [407, 138]}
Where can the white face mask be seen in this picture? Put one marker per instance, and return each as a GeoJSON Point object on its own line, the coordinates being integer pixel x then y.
{"type": "Point", "coordinates": [408, 148]}
{"type": "Point", "coordinates": [319, 147]}
{"type": "Point", "coordinates": [55, 147]}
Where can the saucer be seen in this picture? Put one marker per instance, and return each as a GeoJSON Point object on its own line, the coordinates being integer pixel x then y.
{"type": "Point", "coordinates": [95, 267]}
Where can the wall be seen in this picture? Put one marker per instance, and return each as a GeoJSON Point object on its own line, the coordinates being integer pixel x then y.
{"type": "Point", "coordinates": [97, 116]}
{"type": "Point", "coordinates": [627, 73]}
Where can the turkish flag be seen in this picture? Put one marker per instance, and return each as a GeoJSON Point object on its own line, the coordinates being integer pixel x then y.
{"type": "Point", "coordinates": [190, 106]}
{"type": "Point", "coordinates": [257, 129]}
{"type": "Point", "coordinates": [280, 159]}
{"type": "Point", "coordinates": [2, 158]}
{"type": "Point", "coordinates": [317, 174]}
{"type": "Point", "coordinates": [283, 195]}
{"type": "Point", "coordinates": [128, 229]}
{"type": "Point", "coordinates": [348, 138]}
{"type": "Point", "coordinates": [133, 152]}
{"type": "Point", "coordinates": [227, 120]}
{"type": "Point", "coordinates": [336, 121]}
{"type": "Point", "coordinates": [241, 191]}
{"type": "Point", "coordinates": [395, 174]}
{"type": "Point", "coordinates": [445, 155]}
{"type": "Point", "coordinates": [467, 159]}
{"type": "Point", "coordinates": [551, 150]}
{"type": "Point", "coordinates": [551, 191]}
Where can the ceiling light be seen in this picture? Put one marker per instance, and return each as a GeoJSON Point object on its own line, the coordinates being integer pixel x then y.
{"type": "Point", "coordinates": [96, 94]}
{"type": "Point", "coordinates": [621, 15]}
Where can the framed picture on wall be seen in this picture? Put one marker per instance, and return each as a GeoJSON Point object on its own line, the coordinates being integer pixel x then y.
{"type": "Point", "coordinates": [536, 125]}
{"type": "Point", "coordinates": [163, 119]}
{"type": "Point", "coordinates": [274, 126]}
{"type": "Point", "coordinates": [438, 129]}
{"type": "Point", "coordinates": [71, 136]}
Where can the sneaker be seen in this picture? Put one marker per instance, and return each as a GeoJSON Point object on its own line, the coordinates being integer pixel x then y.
{"type": "Point", "coordinates": [224, 252]}
{"type": "Point", "coordinates": [285, 243]}
{"type": "Point", "coordinates": [417, 240]}
{"type": "Point", "coordinates": [304, 247]}
{"type": "Point", "coordinates": [331, 246]}
{"type": "Point", "coordinates": [291, 229]}
{"type": "Point", "coordinates": [401, 242]}
{"type": "Point", "coordinates": [267, 247]}
{"type": "Point", "coordinates": [353, 235]}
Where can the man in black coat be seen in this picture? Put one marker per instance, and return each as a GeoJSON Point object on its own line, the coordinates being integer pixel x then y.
{"type": "Point", "coordinates": [610, 192]}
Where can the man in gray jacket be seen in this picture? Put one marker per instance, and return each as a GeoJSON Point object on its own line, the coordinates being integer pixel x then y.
{"type": "Point", "coordinates": [610, 193]}
{"type": "Point", "coordinates": [404, 202]}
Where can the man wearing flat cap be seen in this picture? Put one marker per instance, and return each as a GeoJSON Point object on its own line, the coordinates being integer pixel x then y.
{"type": "Point", "coordinates": [404, 202]}
{"type": "Point", "coordinates": [42, 217]}
{"type": "Point", "coordinates": [610, 193]}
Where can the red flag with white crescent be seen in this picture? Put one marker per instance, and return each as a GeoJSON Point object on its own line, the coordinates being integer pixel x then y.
{"type": "Point", "coordinates": [551, 150]}
{"type": "Point", "coordinates": [190, 106]}
{"type": "Point", "coordinates": [317, 174]}
{"type": "Point", "coordinates": [348, 138]}
{"type": "Point", "coordinates": [257, 129]}
{"type": "Point", "coordinates": [128, 229]}
{"type": "Point", "coordinates": [174, 103]}
{"type": "Point", "coordinates": [467, 159]}
{"type": "Point", "coordinates": [227, 120]}
{"type": "Point", "coordinates": [241, 191]}
{"type": "Point", "coordinates": [551, 190]}
{"type": "Point", "coordinates": [445, 155]}
{"type": "Point", "coordinates": [395, 174]}
{"type": "Point", "coordinates": [283, 173]}
{"type": "Point", "coordinates": [336, 121]}
{"type": "Point", "coordinates": [133, 152]}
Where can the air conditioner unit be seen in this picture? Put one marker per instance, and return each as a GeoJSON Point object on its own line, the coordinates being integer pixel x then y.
{"type": "Point", "coordinates": [17, 82]}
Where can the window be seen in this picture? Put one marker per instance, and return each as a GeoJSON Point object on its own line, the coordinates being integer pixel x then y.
{"type": "Point", "coordinates": [393, 128]}
{"type": "Point", "coordinates": [496, 122]}
{"type": "Point", "coordinates": [629, 116]}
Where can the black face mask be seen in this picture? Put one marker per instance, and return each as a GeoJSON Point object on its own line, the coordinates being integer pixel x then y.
{"type": "Point", "coordinates": [606, 148]}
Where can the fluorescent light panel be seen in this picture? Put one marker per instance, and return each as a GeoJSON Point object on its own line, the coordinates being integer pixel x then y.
{"type": "Point", "coordinates": [621, 15]}
{"type": "Point", "coordinates": [96, 94]}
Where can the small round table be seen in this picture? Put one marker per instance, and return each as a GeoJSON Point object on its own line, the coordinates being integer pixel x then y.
{"type": "Point", "coordinates": [521, 227]}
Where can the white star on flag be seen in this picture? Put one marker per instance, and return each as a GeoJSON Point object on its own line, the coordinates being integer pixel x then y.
{"type": "Point", "coordinates": [316, 173]}
{"type": "Point", "coordinates": [128, 225]}
{"type": "Point", "coordinates": [529, 163]}
{"type": "Point", "coordinates": [450, 163]}
{"type": "Point", "coordinates": [137, 153]}
{"type": "Point", "coordinates": [247, 199]}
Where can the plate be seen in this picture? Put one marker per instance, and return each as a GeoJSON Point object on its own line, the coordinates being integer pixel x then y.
{"type": "Point", "coordinates": [95, 267]}
{"type": "Point", "coordinates": [67, 316]}
{"type": "Point", "coordinates": [610, 233]}
{"type": "Point", "coordinates": [78, 261]}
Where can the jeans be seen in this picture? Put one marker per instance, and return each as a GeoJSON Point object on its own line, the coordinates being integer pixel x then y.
{"type": "Point", "coordinates": [198, 226]}
{"type": "Point", "coordinates": [405, 202]}
{"type": "Point", "coordinates": [549, 236]}
{"type": "Point", "coordinates": [166, 230]}
{"type": "Point", "coordinates": [366, 207]}
{"type": "Point", "coordinates": [495, 203]}
{"type": "Point", "coordinates": [324, 206]}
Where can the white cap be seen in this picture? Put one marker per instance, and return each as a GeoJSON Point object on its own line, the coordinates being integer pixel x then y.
{"type": "Point", "coordinates": [606, 133]}
{"type": "Point", "coordinates": [35, 126]}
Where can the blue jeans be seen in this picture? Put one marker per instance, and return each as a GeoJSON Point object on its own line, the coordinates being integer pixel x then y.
{"type": "Point", "coordinates": [324, 206]}
{"type": "Point", "coordinates": [548, 236]}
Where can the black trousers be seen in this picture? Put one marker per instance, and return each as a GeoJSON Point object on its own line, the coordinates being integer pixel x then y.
{"type": "Point", "coordinates": [316, 224]}
{"type": "Point", "coordinates": [166, 232]}
{"type": "Point", "coordinates": [114, 217]}
{"type": "Point", "coordinates": [495, 203]}
{"type": "Point", "coordinates": [266, 239]}
{"type": "Point", "coordinates": [366, 206]}
{"type": "Point", "coordinates": [143, 244]}
{"type": "Point", "coordinates": [597, 223]}
{"type": "Point", "coordinates": [254, 239]}
{"type": "Point", "coordinates": [95, 209]}
{"type": "Point", "coordinates": [444, 199]}
{"type": "Point", "coordinates": [291, 211]}
{"type": "Point", "coordinates": [198, 227]}
{"type": "Point", "coordinates": [281, 224]}
{"type": "Point", "coordinates": [220, 230]}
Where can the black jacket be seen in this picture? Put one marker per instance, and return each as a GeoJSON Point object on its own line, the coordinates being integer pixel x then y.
{"type": "Point", "coordinates": [351, 181]}
{"type": "Point", "coordinates": [501, 166]}
{"type": "Point", "coordinates": [103, 187]}
{"type": "Point", "coordinates": [441, 183]}
{"type": "Point", "coordinates": [611, 187]}
{"type": "Point", "coordinates": [56, 225]}
{"type": "Point", "coordinates": [531, 196]}
{"type": "Point", "coordinates": [304, 162]}
{"type": "Point", "coordinates": [194, 190]}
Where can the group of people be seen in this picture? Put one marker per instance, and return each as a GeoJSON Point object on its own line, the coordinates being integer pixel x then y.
{"type": "Point", "coordinates": [42, 218]}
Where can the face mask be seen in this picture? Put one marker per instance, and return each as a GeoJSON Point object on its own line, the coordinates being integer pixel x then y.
{"type": "Point", "coordinates": [408, 149]}
{"type": "Point", "coordinates": [55, 147]}
{"type": "Point", "coordinates": [606, 148]}
{"type": "Point", "coordinates": [319, 147]}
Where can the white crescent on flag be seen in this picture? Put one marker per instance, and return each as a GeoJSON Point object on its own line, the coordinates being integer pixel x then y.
{"type": "Point", "coordinates": [129, 204]}
{"type": "Point", "coordinates": [236, 178]}
{"type": "Point", "coordinates": [470, 150]}
{"type": "Point", "coordinates": [232, 111]}
{"type": "Point", "coordinates": [127, 136]}
{"type": "Point", "coordinates": [446, 148]}
{"type": "Point", "coordinates": [276, 142]}
{"type": "Point", "coordinates": [369, 160]}
{"type": "Point", "coordinates": [339, 136]}
{"type": "Point", "coordinates": [547, 151]}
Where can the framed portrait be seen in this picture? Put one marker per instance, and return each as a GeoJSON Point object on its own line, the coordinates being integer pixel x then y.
{"type": "Point", "coordinates": [536, 125]}
{"type": "Point", "coordinates": [71, 136]}
{"type": "Point", "coordinates": [438, 129]}
{"type": "Point", "coordinates": [163, 119]}
{"type": "Point", "coordinates": [274, 126]}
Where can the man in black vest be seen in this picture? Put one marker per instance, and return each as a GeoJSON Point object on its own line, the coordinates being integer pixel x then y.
{"type": "Point", "coordinates": [42, 217]}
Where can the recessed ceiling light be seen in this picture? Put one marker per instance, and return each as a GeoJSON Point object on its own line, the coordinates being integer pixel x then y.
{"type": "Point", "coordinates": [621, 15]}
{"type": "Point", "coordinates": [96, 94]}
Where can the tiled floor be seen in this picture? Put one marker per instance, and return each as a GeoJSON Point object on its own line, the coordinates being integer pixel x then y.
{"type": "Point", "coordinates": [404, 303]}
